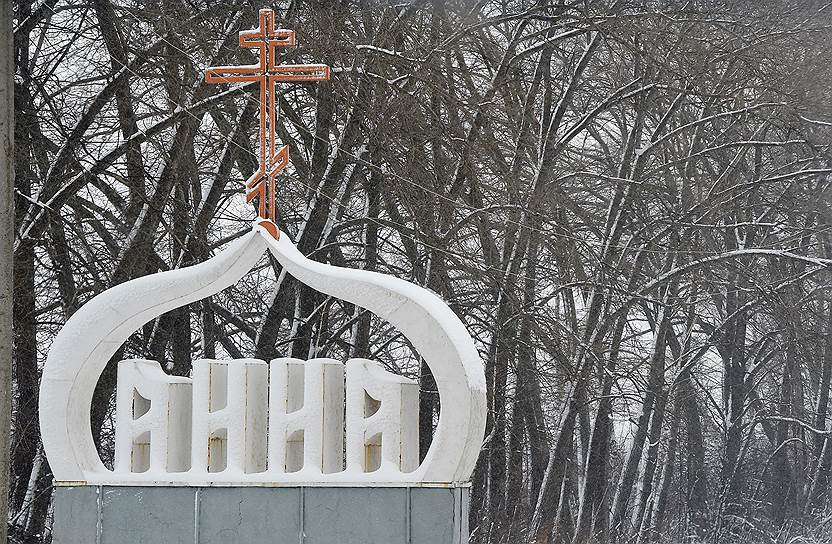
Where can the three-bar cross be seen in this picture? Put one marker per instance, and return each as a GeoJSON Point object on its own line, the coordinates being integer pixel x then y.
{"type": "Point", "coordinates": [267, 73]}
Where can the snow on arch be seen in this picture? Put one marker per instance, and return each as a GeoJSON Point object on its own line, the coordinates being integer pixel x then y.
{"type": "Point", "coordinates": [93, 334]}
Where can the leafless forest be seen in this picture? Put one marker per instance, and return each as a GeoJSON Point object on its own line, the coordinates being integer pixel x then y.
{"type": "Point", "coordinates": [627, 202]}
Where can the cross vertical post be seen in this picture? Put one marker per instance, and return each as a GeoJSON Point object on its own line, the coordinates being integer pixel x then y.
{"type": "Point", "coordinates": [267, 73]}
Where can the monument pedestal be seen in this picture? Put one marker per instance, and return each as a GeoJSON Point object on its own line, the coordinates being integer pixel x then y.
{"type": "Point", "coordinates": [260, 515]}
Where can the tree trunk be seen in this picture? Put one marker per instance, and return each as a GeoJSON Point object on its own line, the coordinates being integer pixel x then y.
{"type": "Point", "coordinates": [654, 519]}
{"type": "Point", "coordinates": [649, 474]}
{"type": "Point", "coordinates": [697, 489]}
{"type": "Point", "coordinates": [592, 512]}
{"type": "Point", "coordinates": [780, 482]}
{"type": "Point", "coordinates": [732, 350]}
{"type": "Point", "coordinates": [822, 406]}
{"type": "Point", "coordinates": [823, 445]}
{"type": "Point", "coordinates": [527, 375]}
{"type": "Point", "coordinates": [655, 381]}
{"type": "Point", "coordinates": [112, 36]}
{"type": "Point", "coordinates": [372, 184]}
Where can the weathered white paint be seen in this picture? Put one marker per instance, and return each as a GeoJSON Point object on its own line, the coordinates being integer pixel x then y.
{"type": "Point", "coordinates": [224, 408]}
{"type": "Point", "coordinates": [94, 333]}
{"type": "Point", "coordinates": [382, 419]}
{"type": "Point", "coordinates": [153, 415]}
{"type": "Point", "coordinates": [306, 417]}
{"type": "Point", "coordinates": [229, 420]}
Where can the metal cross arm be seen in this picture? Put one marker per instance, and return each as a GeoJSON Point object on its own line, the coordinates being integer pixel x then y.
{"type": "Point", "coordinates": [253, 72]}
{"type": "Point", "coordinates": [272, 160]}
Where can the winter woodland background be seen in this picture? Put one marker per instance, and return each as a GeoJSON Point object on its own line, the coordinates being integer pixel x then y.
{"type": "Point", "coordinates": [627, 202]}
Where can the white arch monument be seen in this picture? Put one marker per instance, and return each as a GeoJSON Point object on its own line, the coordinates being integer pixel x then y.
{"type": "Point", "coordinates": [95, 332]}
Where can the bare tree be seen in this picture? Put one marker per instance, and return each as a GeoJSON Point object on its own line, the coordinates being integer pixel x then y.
{"type": "Point", "coordinates": [627, 203]}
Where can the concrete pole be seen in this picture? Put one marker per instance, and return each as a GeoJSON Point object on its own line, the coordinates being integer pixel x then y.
{"type": "Point", "coordinates": [6, 249]}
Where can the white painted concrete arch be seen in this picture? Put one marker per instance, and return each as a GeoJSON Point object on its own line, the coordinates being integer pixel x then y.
{"type": "Point", "coordinates": [95, 332]}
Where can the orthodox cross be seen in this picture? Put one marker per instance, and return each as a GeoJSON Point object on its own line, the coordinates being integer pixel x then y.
{"type": "Point", "coordinates": [267, 73]}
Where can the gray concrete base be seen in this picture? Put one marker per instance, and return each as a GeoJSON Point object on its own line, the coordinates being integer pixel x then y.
{"type": "Point", "coordinates": [260, 515]}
